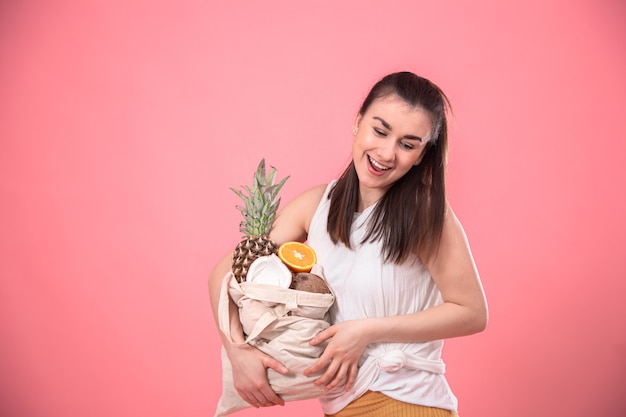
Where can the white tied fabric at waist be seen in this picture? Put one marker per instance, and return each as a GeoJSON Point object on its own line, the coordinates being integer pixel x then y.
{"type": "Point", "coordinates": [376, 360]}
{"type": "Point", "coordinates": [395, 359]}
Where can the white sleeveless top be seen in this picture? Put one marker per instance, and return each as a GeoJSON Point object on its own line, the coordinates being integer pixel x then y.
{"type": "Point", "coordinates": [365, 286]}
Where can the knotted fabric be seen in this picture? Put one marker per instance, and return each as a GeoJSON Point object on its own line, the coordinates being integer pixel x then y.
{"type": "Point", "coordinates": [395, 359]}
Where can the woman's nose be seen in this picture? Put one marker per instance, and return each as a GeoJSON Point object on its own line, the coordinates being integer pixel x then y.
{"type": "Point", "coordinates": [386, 150]}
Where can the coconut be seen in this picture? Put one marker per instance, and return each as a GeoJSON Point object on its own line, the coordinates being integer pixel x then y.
{"type": "Point", "coordinates": [306, 281]}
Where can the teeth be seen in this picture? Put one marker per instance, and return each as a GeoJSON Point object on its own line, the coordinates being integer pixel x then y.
{"type": "Point", "coordinates": [377, 165]}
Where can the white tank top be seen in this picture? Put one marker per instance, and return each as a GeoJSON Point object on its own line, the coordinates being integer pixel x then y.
{"type": "Point", "coordinates": [365, 286]}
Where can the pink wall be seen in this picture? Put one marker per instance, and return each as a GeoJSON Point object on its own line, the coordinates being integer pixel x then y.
{"type": "Point", "coordinates": [123, 123]}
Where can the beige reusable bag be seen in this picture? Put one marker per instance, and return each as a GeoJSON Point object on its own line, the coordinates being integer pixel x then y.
{"type": "Point", "coordinates": [280, 322]}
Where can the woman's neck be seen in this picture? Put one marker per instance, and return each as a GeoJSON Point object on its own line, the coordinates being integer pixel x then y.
{"type": "Point", "coordinates": [368, 198]}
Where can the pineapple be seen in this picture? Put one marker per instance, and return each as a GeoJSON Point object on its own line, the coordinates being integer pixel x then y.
{"type": "Point", "coordinates": [259, 212]}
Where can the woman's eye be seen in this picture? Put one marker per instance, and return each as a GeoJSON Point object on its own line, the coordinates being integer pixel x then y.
{"type": "Point", "coordinates": [379, 132]}
{"type": "Point", "coordinates": [407, 146]}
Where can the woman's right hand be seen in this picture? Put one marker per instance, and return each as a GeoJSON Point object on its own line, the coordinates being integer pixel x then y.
{"type": "Point", "coordinates": [249, 364]}
{"type": "Point", "coordinates": [249, 367]}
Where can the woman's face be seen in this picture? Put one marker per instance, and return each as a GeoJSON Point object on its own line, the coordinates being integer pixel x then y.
{"type": "Point", "coordinates": [388, 140]}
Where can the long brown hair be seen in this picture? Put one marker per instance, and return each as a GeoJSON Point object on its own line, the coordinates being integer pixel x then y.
{"type": "Point", "coordinates": [408, 219]}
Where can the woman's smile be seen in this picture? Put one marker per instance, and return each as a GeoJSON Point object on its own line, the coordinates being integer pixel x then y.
{"type": "Point", "coordinates": [376, 167]}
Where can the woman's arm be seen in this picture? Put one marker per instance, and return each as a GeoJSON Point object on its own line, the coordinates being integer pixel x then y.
{"type": "Point", "coordinates": [250, 364]}
{"type": "Point", "coordinates": [463, 312]}
{"type": "Point", "coordinates": [464, 309]}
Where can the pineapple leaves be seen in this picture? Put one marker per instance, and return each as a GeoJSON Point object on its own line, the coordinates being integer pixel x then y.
{"type": "Point", "coordinates": [271, 176]}
{"type": "Point", "coordinates": [260, 202]}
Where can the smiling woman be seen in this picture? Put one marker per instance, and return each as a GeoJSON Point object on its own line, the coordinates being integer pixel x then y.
{"type": "Point", "coordinates": [387, 144]}
{"type": "Point", "coordinates": [376, 231]}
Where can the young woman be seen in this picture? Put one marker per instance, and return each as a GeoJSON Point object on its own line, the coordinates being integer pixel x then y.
{"type": "Point", "coordinates": [396, 258]}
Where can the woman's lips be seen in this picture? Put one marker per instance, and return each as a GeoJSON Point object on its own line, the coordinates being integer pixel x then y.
{"type": "Point", "coordinates": [376, 167]}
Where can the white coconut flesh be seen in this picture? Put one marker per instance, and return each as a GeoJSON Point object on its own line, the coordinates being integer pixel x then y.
{"type": "Point", "coordinates": [269, 270]}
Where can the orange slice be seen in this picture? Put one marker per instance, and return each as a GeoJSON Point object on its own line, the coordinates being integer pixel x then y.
{"type": "Point", "coordinates": [297, 256]}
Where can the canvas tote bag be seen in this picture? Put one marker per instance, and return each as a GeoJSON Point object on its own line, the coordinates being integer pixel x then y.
{"type": "Point", "coordinates": [280, 322]}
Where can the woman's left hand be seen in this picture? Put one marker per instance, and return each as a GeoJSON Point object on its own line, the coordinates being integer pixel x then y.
{"type": "Point", "coordinates": [348, 340]}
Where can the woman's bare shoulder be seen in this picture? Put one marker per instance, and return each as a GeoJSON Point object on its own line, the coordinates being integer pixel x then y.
{"type": "Point", "coordinates": [307, 201]}
{"type": "Point", "coordinates": [292, 222]}
{"type": "Point", "coordinates": [314, 194]}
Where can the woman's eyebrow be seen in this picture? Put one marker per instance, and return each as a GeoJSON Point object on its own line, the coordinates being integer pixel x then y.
{"type": "Point", "coordinates": [388, 127]}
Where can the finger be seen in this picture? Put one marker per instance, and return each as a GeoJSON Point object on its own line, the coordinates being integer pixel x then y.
{"type": "Point", "coordinates": [323, 336]}
{"type": "Point", "coordinates": [264, 395]}
{"type": "Point", "coordinates": [271, 398]}
{"type": "Point", "coordinates": [251, 399]}
{"type": "Point", "coordinates": [319, 364]}
{"type": "Point", "coordinates": [328, 375]}
{"type": "Point", "coordinates": [253, 396]}
{"type": "Point", "coordinates": [259, 395]}
{"type": "Point", "coordinates": [338, 379]}
{"type": "Point", "coordinates": [273, 364]}
{"type": "Point", "coordinates": [263, 398]}
{"type": "Point", "coordinates": [351, 377]}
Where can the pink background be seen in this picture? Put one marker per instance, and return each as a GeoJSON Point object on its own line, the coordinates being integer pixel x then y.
{"type": "Point", "coordinates": [123, 123]}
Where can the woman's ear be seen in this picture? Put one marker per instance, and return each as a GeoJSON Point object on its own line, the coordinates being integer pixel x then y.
{"type": "Point", "coordinates": [416, 163]}
{"type": "Point", "coordinates": [355, 126]}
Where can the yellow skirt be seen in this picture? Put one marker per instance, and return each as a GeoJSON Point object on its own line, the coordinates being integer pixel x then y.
{"type": "Point", "coordinates": [376, 404]}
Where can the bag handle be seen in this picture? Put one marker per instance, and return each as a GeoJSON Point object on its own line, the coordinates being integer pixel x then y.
{"type": "Point", "coordinates": [224, 317]}
{"type": "Point", "coordinates": [265, 320]}
{"type": "Point", "coordinates": [223, 308]}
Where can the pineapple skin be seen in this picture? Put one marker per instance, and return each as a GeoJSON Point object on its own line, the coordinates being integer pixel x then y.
{"type": "Point", "coordinates": [247, 251]}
